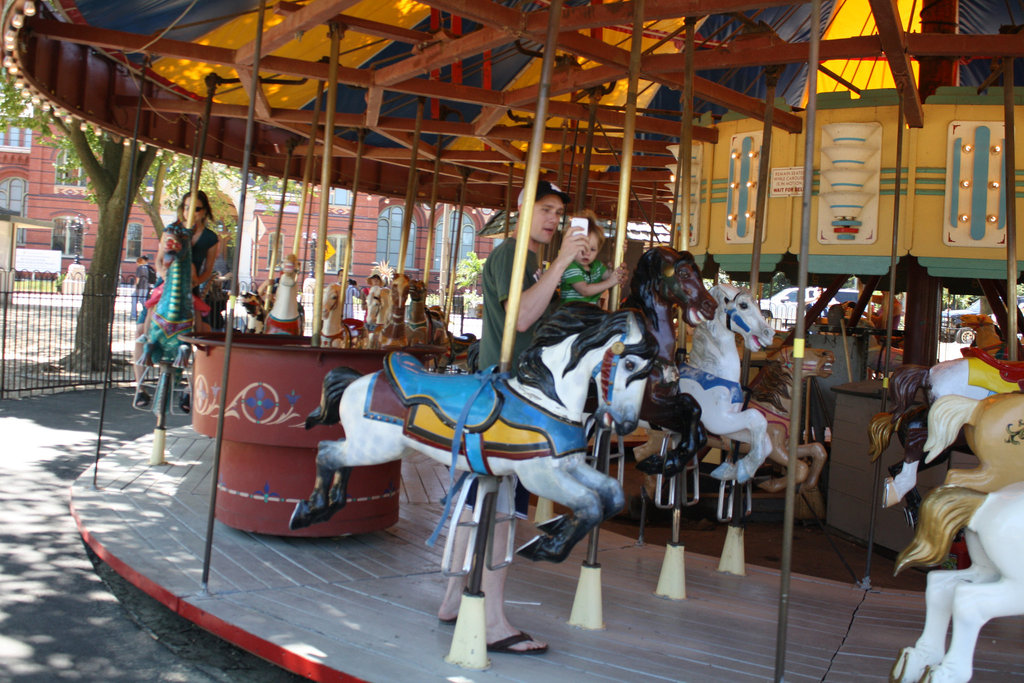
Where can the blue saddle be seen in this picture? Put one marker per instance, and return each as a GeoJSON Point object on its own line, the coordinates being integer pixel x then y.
{"type": "Point", "coordinates": [445, 394]}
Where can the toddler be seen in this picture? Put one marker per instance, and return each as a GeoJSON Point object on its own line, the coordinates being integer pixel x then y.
{"type": "Point", "coordinates": [586, 278]}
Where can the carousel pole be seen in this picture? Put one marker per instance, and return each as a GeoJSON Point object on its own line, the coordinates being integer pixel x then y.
{"type": "Point", "coordinates": [307, 171]}
{"type": "Point", "coordinates": [467, 649]}
{"type": "Point", "coordinates": [124, 227]}
{"type": "Point", "coordinates": [1009, 155]}
{"type": "Point", "coordinates": [865, 582]}
{"type": "Point", "coordinates": [411, 187]}
{"type": "Point", "coordinates": [162, 399]}
{"type": "Point", "coordinates": [346, 262]}
{"type": "Point", "coordinates": [733, 560]}
{"type": "Point", "coordinates": [799, 341]}
{"type": "Point", "coordinates": [276, 244]}
{"type": "Point", "coordinates": [672, 579]}
{"type": "Point", "coordinates": [587, 610]}
{"type": "Point", "coordinates": [508, 198]}
{"type": "Point", "coordinates": [229, 324]}
{"type": "Point", "coordinates": [325, 182]}
{"type": "Point", "coordinates": [453, 248]}
{"type": "Point", "coordinates": [432, 221]}
{"type": "Point", "coordinates": [587, 150]}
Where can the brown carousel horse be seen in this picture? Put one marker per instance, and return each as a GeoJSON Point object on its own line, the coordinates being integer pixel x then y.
{"type": "Point", "coordinates": [378, 313]}
{"type": "Point", "coordinates": [338, 332]}
{"type": "Point", "coordinates": [395, 334]}
{"type": "Point", "coordinates": [424, 325]}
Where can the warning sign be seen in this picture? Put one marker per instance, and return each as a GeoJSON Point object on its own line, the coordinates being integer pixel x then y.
{"type": "Point", "coordinates": [787, 182]}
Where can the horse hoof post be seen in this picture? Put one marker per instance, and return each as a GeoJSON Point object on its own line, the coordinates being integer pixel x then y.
{"type": "Point", "coordinates": [469, 642]}
{"type": "Point", "coordinates": [156, 456]}
{"type": "Point", "coordinates": [732, 560]}
{"type": "Point", "coordinates": [672, 580]}
{"type": "Point", "coordinates": [545, 510]}
{"type": "Point", "coordinates": [587, 612]}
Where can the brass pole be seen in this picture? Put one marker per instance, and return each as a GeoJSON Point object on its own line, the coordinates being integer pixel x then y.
{"type": "Point", "coordinates": [276, 242]}
{"type": "Point", "coordinates": [432, 222]}
{"type": "Point", "coordinates": [684, 164]}
{"type": "Point", "coordinates": [453, 248]}
{"type": "Point", "coordinates": [628, 133]}
{"type": "Point", "coordinates": [581, 194]}
{"type": "Point", "coordinates": [346, 262]}
{"type": "Point", "coordinates": [799, 341]}
{"type": "Point", "coordinates": [325, 183]}
{"type": "Point", "coordinates": [1011, 211]}
{"type": "Point", "coordinates": [307, 171]}
{"type": "Point", "coordinates": [532, 175]}
{"type": "Point", "coordinates": [771, 81]}
{"type": "Point", "coordinates": [410, 188]}
{"type": "Point", "coordinates": [508, 198]}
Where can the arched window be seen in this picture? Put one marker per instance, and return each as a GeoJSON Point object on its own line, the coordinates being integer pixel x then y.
{"type": "Point", "coordinates": [12, 196]}
{"type": "Point", "coordinates": [67, 235]}
{"type": "Point", "coordinates": [465, 239]}
{"type": "Point", "coordinates": [336, 251]}
{"type": "Point", "coordinates": [133, 241]}
{"type": "Point", "coordinates": [389, 236]}
{"type": "Point", "coordinates": [67, 171]}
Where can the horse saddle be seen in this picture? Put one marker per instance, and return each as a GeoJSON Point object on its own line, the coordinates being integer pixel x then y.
{"type": "Point", "coordinates": [413, 384]}
{"type": "Point", "coordinates": [998, 376]}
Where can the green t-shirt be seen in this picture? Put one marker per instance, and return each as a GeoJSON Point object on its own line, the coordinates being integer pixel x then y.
{"type": "Point", "coordinates": [577, 273]}
{"type": "Point", "coordinates": [497, 278]}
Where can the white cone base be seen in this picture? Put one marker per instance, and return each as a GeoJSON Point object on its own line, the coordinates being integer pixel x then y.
{"type": "Point", "coordinates": [544, 511]}
{"type": "Point", "coordinates": [586, 607]}
{"type": "Point", "coordinates": [156, 456]}
{"type": "Point", "coordinates": [469, 643]}
{"type": "Point", "coordinates": [732, 560]}
{"type": "Point", "coordinates": [672, 581]}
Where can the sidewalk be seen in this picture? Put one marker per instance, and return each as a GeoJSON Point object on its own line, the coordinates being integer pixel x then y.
{"type": "Point", "coordinates": [58, 620]}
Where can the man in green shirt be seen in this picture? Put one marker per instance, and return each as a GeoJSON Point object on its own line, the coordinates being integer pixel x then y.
{"type": "Point", "coordinates": [539, 288]}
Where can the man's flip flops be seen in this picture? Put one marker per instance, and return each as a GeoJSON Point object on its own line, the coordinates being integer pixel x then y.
{"type": "Point", "coordinates": [506, 644]}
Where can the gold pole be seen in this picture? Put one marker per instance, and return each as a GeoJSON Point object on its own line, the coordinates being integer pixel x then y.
{"type": "Point", "coordinates": [532, 175]}
{"type": "Point", "coordinates": [410, 188]}
{"type": "Point", "coordinates": [453, 249]}
{"type": "Point", "coordinates": [307, 171]}
{"type": "Point", "coordinates": [1011, 212]}
{"type": "Point", "coordinates": [346, 263]}
{"type": "Point", "coordinates": [684, 164]}
{"type": "Point", "coordinates": [432, 222]}
{"type": "Point", "coordinates": [628, 132]}
{"type": "Point", "coordinates": [325, 183]}
{"type": "Point", "coordinates": [276, 244]}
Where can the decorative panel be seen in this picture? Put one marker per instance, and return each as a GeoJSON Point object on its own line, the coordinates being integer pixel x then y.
{"type": "Point", "coordinates": [851, 157]}
{"type": "Point", "coordinates": [741, 195]}
{"type": "Point", "coordinates": [975, 210]}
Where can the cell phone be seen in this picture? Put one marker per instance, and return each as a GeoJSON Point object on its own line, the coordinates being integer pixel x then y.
{"type": "Point", "coordinates": [580, 224]}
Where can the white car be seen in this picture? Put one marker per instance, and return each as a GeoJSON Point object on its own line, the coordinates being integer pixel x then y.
{"type": "Point", "coordinates": [782, 306]}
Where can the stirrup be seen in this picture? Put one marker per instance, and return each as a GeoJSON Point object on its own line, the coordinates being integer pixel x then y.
{"type": "Point", "coordinates": [730, 487]}
{"type": "Point", "coordinates": [593, 456]}
{"type": "Point", "coordinates": [507, 516]}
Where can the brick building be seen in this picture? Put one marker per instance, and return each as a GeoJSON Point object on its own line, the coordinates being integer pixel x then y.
{"type": "Point", "coordinates": [53, 220]}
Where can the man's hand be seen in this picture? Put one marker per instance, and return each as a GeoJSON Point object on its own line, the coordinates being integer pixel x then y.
{"type": "Point", "coordinates": [573, 245]}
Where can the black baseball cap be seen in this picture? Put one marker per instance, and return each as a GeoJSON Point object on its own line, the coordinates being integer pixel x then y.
{"type": "Point", "coordinates": [545, 188]}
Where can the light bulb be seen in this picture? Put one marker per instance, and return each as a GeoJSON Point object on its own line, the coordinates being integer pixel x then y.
{"type": "Point", "coordinates": [30, 8]}
{"type": "Point", "coordinates": [17, 20]}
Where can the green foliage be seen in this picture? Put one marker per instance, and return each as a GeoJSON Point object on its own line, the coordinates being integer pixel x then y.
{"type": "Point", "coordinates": [467, 272]}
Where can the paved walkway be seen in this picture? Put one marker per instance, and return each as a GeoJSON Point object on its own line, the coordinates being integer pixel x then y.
{"type": "Point", "coordinates": [58, 620]}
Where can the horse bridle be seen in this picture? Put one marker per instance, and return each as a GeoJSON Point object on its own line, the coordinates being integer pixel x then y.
{"type": "Point", "coordinates": [604, 375]}
{"type": "Point", "coordinates": [730, 316]}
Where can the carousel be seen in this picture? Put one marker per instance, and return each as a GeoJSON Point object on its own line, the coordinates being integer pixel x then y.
{"type": "Point", "coordinates": [300, 516]}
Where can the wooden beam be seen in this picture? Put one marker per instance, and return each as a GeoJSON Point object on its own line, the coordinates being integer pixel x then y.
{"type": "Point", "coordinates": [894, 44]}
{"type": "Point", "coordinates": [262, 103]}
{"type": "Point", "coordinates": [381, 30]}
{"type": "Point", "coordinates": [946, 45]}
{"type": "Point", "coordinates": [735, 55]}
{"type": "Point", "coordinates": [441, 54]}
{"type": "Point", "coordinates": [487, 119]}
{"type": "Point", "coordinates": [481, 11]}
{"type": "Point", "coordinates": [315, 13]}
{"type": "Point", "coordinates": [374, 98]}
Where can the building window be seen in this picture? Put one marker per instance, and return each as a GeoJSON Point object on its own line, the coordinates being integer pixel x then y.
{"type": "Point", "coordinates": [466, 239]}
{"type": "Point", "coordinates": [336, 251]}
{"type": "Point", "coordinates": [133, 241]}
{"type": "Point", "coordinates": [21, 237]}
{"type": "Point", "coordinates": [16, 138]}
{"type": "Point", "coordinates": [12, 196]}
{"type": "Point", "coordinates": [68, 172]}
{"type": "Point", "coordinates": [67, 235]}
{"type": "Point", "coordinates": [389, 236]}
{"type": "Point", "coordinates": [340, 197]}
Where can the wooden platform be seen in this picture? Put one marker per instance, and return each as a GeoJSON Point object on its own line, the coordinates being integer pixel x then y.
{"type": "Point", "coordinates": [365, 606]}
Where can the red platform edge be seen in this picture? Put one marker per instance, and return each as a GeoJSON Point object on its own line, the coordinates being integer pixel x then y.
{"type": "Point", "coordinates": [286, 659]}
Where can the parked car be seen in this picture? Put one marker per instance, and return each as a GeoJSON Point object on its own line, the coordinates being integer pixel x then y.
{"type": "Point", "coordinates": [782, 306]}
{"type": "Point", "coordinates": [952, 328]}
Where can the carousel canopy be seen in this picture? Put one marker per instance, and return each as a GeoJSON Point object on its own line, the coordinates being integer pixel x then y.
{"type": "Point", "coordinates": [475, 66]}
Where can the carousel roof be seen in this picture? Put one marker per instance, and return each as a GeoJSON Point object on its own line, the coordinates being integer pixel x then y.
{"type": "Point", "coordinates": [475, 66]}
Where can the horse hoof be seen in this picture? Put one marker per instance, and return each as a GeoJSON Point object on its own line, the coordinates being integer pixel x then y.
{"type": "Point", "coordinates": [553, 525]}
{"type": "Point", "coordinates": [652, 465]}
{"type": "Point", "coordinates": [890, 496]}
{"type": "Point", "coordinates": [536, 550]}
{"type": "Point", "coordinates": [724, 472]}
{"type": "Point", "coordinates": [300, 516]}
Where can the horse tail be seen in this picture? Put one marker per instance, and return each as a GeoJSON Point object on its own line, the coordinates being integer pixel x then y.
{"type": "Point", "coordinates": [948, 414]}
{"type": "Point", "coordinates": [880, 431]}
{"type": "Point", "coordinates": [335, 383]}
{"type": "Point", "coordinates": [904, 383]}
{"type": "Point", "coordinates": [945, 511]}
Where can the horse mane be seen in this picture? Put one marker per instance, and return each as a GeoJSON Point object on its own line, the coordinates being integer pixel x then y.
{"type": "Point", "coordinates": [593, 327]}
{"type": "Point", "coordinates": [773, 384]}
{"type": "Point", "coordinates": [945, 511]}
{"type": "Point", "coordinates": [643, 286]}
{"type": "Point", "coordinates": [904, 383]}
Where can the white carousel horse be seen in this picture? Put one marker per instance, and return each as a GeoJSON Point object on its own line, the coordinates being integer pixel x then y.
{"type": "Point", "coordinates": [338, 332]}
{"type": "Point", "coordinates": [976, 376]}
{"type": "Point", "coordinates": [771, 398]}
{"type": "Point", "coordinates": [993, 586]}
{"type": "Point", "coordinates": [284, 315]}
{"type": "Point", "coordinates": [529, 423]}
{"type": "Point", "coordinates": [712, 376]}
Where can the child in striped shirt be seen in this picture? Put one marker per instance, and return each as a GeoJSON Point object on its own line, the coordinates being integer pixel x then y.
{"type": "Point", "coordinates": [587, 278]}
